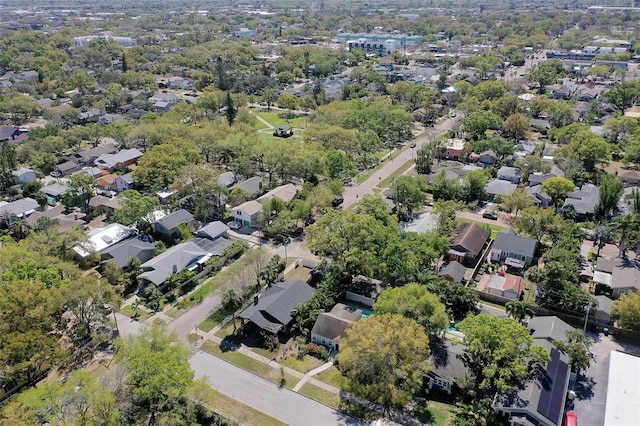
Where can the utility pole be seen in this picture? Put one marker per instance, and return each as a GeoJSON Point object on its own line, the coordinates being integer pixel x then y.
{"type": "Point", "coordinates": [586, 317]}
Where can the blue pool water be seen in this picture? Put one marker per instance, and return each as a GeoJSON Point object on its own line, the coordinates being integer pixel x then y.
{"type": "Point", "coordinates": [366, 312]}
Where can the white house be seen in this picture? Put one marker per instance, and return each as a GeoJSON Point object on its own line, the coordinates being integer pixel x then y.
{"type": "Point", "coordinates": [330, 327]}
{"type": "Point", "coordinates": [247, 213]}
{"type": "Point", "coordinates": [23, 175]}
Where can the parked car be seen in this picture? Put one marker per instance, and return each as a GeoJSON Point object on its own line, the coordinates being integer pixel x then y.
{"type": "Point", "coordinates": [297, 232]}
{"type": "Point", "coordinates": [309, 221]}
{"type": "Point", "coordinates": [235, 224]}
{"type": "Point", "coordinates": [413, 145]}
{"type": "Point", "coordinates": [337, 201]}
{"type": "Point", "coordinates": [490, 215]}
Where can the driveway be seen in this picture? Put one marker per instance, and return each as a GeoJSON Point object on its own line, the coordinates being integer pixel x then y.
{"type": "Point", "coordinates": [264, 396]}
{"type": "Point", "coordinates": [591, 387]}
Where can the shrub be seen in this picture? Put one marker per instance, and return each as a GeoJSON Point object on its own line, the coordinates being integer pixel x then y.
{"type": "Point", "coordinates": [319, 351]}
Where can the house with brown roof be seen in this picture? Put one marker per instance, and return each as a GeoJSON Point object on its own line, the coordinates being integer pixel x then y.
{"type": "Point", "coordinates": [508, 287]}
{"type": "Point", "coordinates": [467, 243]}
{"type": "Point", "coordinates": [630, 177]}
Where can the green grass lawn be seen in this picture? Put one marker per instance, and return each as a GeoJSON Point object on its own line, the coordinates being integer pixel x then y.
{"type": "Point", "coordinates": [332, 377]}
{"type": "Point", "coordinates": [278, 118]}
{"type": "Point", "coordinates": [303, 365]}
{"type": "Point", "coordinates": [129, 311]}
{"type": "Point", "coordinates": [260, 125]}
{"type": "Point", "coordinates": [321, 395]}
{"type": "Point", "coordinates": [247, 363]}
{"type": "Point", "coordinates": [435, 413]}
{"type": "Point", "coordinates": [300, 273]}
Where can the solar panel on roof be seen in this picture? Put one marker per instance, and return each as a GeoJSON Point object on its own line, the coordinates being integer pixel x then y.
{"type": "Point", "coordinates": [553, 387]}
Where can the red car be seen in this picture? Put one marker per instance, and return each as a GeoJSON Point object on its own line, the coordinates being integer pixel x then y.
{"type": "Point", "coordinates": [570, 419]}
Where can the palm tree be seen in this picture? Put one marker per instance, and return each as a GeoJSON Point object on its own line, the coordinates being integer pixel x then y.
{"type": "Point", "coordinates": [518, 310]}
{"type": "Point", "coordinates": [603, 235]}
{"type": "Point", "coordinates": [623, 226]}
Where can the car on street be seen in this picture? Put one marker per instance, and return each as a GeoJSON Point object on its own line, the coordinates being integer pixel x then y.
{"type": "Point", "coordinates": [413, 145]}
{"type": "Point", "coordinates": [337, 201]}
{"type": "Point", "coordinates": [490, 215]}
{"type": "Point", "coordinates": [234, 224]}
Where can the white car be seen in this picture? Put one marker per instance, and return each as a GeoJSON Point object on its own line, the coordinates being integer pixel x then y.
{"type": "Point", "coordinates": [235, 224]}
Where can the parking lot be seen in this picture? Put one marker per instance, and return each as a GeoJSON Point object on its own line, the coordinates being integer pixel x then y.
{"type": "Point", "coordinates": [591, 386]}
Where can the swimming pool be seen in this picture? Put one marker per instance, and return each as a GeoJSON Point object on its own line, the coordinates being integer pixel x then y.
{"type": "Point", "coordinates": [366, 312]}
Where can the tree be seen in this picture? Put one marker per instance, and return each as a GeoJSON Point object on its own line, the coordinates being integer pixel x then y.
{"type": "Point", "coordinates": [85, 299]}
{"type": "Point", "coordinates": [159, 367]}
{"type": "Point", "coordinates": [424, 160]}
{"type": "Point", "coordinates": [384, 358]}
{"type": "Point", "coordinates": [414, 301]}
{"type": "Point", "coordinates": [446, 211]}
{"type": "Point", "coordinates": [626, 310]}
{"type": "Point", "coordinates": [588, 148]}
{"type": "Point", "coordinates": [610, 191]}
{"type": "Point", "coordinates": [231, 110]}
{"type": "Point", "coordinates": [557, 188]}
{"type": "Point", "coordinates": [576, 346]}
{"type": "Point", "coordinates": [519, 310]}
{"type": "Point", "coordinates": [500, 354]}
{"type": "Point", "coordinates": [624, 226]}
{"type": "Point", "coordinates": [81, 189]}
{"type": "Point", "coordinates": [376, 207]}
{"type": "Point", "coordinates": [477, 123]}
{"type": "Point", "coordinates": [458, 299]}
{"type": "Point", "coordinates": [159, 167]}
{"type": "Point", "coordinates": [81, 400]}
{"type": "Point", "coordinates": [268, 96]}
{"type": "Point", "coordinates": [408, 192]}
{"type": "Point", "coordinates": [516, 126]}
{"type": "Point", "coordinates": [288, 102]}
{"type": "Point", "coordinates": [517, 201]}
{"type": "Point", "coordinates": [546, 72]}
{"type": "Point", "coordinates": [602, 235]}
{"type": "Point", "coordinates": [474, 184]}
{"type": "Point", "coordinates": [136, 208]}
{"type": "Point", "coordinates": [339, 165]}
{"type": "Point", "coordinates": [8, 164]}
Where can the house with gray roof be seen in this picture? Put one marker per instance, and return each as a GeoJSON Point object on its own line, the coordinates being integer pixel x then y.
{"type": "Point", "coordinates": [449, 366]}
{"type": "Point", "coordinates": [87, 157]}
{"type": "Point", "coordinates": [541, 400]}
{"type": "Point", "coordinates": [176, 259]}
{"type": "Point", "coordinates": [58, 213]}
{"type": "Point", "coordinates": [584, 200]}
{"type": "Point", "coordinates": [618, 276]}
{"type": "Point", "coordinates": [510, 174]}
{"type": "Point", "coordinates": [453, 271]}
{"type": "Point", "coordinates": [169, 225]}
{"type": "Point", "coordinates": [253, 185]}
{"type": "Point", "coordinates": [23, 175]}
{"type": "Point", "coordinates": [330, 327]}
{"type": "Point", "coordinates": [65, 168]}
{"type": "Point", "coordinates": [55, 190]}
{"type": "Point", "coordinates": [19, 209]}
{"type": "Point", "coordinates": [271, 310]}
{"type": "Point", "coordinates": [120, 160]}
{"type": "Point", "coordinates": [513, 250]}
{"type": "Point", "coordinates": [213, 230]}
{"type": "Point", "coordinates": [125, 182]}
{"type": "Point", "coordinates": [499, 187]}
{"type": "Point", "coordinates": [228, 179]}
{"type": "Point", "coordinates": [142, 246]}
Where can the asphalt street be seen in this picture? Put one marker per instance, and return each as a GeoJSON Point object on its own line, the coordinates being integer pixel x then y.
{"type": "Point", "coordinates": [264, 396]}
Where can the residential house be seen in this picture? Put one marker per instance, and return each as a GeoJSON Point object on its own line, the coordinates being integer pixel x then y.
{"type": "Point", "coordinates": [271, 310]}
{"type": "Point", "coordinates": [9, 133]}
{"type": "Point", "coordinates": [228, 179]}
{"type": "Point", "coordinates": [118, 161]}
{"type": "Point", "coordinates": [509, 174]}
{"type": "Point", "coordinates": [330, 327]}
{"type": "Point", "coordinates": [451, 149]}
{"type": "Point", "coordinates": [99, 239]}
{"type": "Point", "coordinates": [89, 116]}
{"type": "Point", "coordinates": [453, 271]}
{"type": "Point", "coordinates": [164, 98]}
{"type": "Point", "coordinates": [449, 367]}
{"type": "Point", "coordinates": [106, 183]}
{"type": "Point", "coordinates": [247, 213]}
{"type": "Point", "coordinates": [633, 112]}
{"type": "Point", "coordinates": [541, 124]}
{"type": "Point", "coordinates": [364, 290]}
{"type": "Point", "coordinates": [184, 256]}
{"type": "Point", "coordinates": [524, 148]}
{"type": "Point", "coordinates": [284, 192]}
{"type": "Point", "coordinates": [283, 131]}
{"type": "Point", "coordinates": [450, 174]}
{"type": "Point", "coordinates": [104, 205]}
{"type": "Point", "coordinates": [468, 243]}
{"type": "Point", "coordinates": [541, 400]}
{"type": "Point", "coordinates": [213, 247]}
{"type": "Point", "coordinates": [629, 177]}
{"type": "Point", "coordinates": [55, 191]}
{"type": "Point", "coordinates": [538, 196]}
{"type": "Point", "coordinates": [142, 247]}
{"type": "Point", "coordinates": [23, 175]}
{"type": "Point", "coordinates": [584, 200]}
{"type": "Point", "coordinates": [513, 250]}
{"type": "Point", "coordinates": [508, 287]}
{"type": "Point", "coordinates": [253, 185]}
{"type": "Point", "coordinates": [19, 209]}
{"type": "Point", "coordinates": [165, 195]}
{"type": "Point", "coordinates": [65, 168]}
{"type": "Point", "coordinates": [499, 187]}
{"type": "Point", "coordinates": [124, 182]}
{"type": "Point", "coordinates": [87, 157]}
{"type": "Point", "coordinates": [617, 276]}
{"type": "Point", "coordinates": [213, 230]}
{"type": "Point", "coordinates": [487, 158]}
{"type": "Point", "coordinates": [169, 225]}
{"type": "Point", "coordinates": [66, 220]}
{"type": "Point", "coordinates": [539, 178]}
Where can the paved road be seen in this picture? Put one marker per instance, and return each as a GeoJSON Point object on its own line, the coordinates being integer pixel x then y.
{"type": "Point", "coordinates": [353, 193]}
{"type": "Point", "coordinates": [264, 396]}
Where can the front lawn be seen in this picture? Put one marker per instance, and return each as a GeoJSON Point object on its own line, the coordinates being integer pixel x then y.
{"type": "Point", "coordinates": [141, 315]}
{"type": "Point", "coordinates": [278, 118]}
{"type": "Point", "coordinates": [321, 395]}
{"type": "Point", "coordinates": [307, 363]}
{"type": "Point", "coordinates": [332, 377]}
{"type": "Point", "coordinates": [435, 413]}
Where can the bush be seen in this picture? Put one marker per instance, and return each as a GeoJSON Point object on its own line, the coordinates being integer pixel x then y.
{"type": "Point", "coordinates": [318, 351]}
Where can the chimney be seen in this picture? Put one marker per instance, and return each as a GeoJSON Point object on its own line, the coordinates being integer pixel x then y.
{"type": "Point", "coordinates": [255, 299]}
